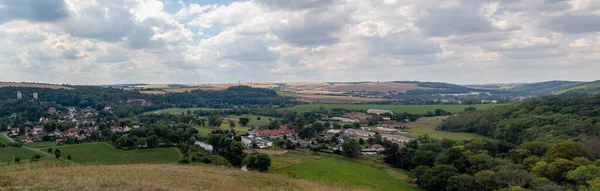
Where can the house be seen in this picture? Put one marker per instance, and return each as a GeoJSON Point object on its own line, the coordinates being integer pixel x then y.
{"type": "Point", "coordinates": [385, 130]}
{"type": "Point", "coordinates": [52, 110]}
{"type": "Point", "coordinates": [116, 129]}
{"type": "Point", "coordinates": [278, 133]}
{"type": "Point", "coordinates": [250, 141]}
{"type": "Point", "coordinates": [38, 129]}
{"type": "Point", "coordinates": [332, 132]}
{"type": "Point", "coordinates": [343, 119]}
{"type": "Point", "coordinates": [13, 115]}
{"type": "Point", "coordinates": [72, 109]}
{"type": "Point", "coordinates": [126, 129]}
{"type": "Point", "coordinates": [386, 118]}
{"type": "Point", "coordinates": [379, 111]}
{"type": "Point", "coordinates": [342, 138]}
{"type": "Point", "coordinates": [15, 131]}
{"type": "Point", "coordinates": [25, 138]}
{"type": "Point", "coordinates": [107, 108]}
{"type": "Point", "coordinates": [368, 152]}
{"type": "Point", "coordinates": [377, 147]}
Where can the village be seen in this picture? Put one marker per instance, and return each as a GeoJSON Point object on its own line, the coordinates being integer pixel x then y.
{"type": "Point", "coordinates": [264, 138]}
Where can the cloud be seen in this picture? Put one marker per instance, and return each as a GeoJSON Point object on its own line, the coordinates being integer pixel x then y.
{"type": "Point", "coordinates": [294, 5]}
{"type": "Point", "coordinates": [156, 41]}
{"type": "Point", "coordinates": [456, 20]}
{"type": "Point", "coordinates": [33, 10]}
{"type": "Point", "coordinates": [573, 23]}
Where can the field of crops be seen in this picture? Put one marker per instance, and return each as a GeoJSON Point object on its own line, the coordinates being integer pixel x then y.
{"type": "Point", "coordinates": [102, 153]}
{"type": "Point", "coordinates": [344, 172]}
{"type": "Point", "coordinates": [416, 109]}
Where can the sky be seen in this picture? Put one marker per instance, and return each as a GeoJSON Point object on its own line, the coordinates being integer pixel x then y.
{"type": "Point", "coordinates": [220, 41]}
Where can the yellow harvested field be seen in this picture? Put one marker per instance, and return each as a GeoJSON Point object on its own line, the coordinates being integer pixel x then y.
{"type": "Point", "coordinates": [32, 85]}
{"type": "Point", "coordinates": [148, 177]}
{"type": "Point", "coordinates": [153, 92]}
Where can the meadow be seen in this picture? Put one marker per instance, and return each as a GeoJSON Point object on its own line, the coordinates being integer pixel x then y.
{"type": "Point", "coordinates": [7, 154]}
{"type": "Point", "coordinates": [428, 126]}
{"type": "Point", "coordinates": [41, 144]}
{"type": "Point", "coordinates": [102, 153]}
{"type": "Point", "coordinates": [147, 177]}
{"type": "Point", "coordinates": [347, 173]}
{"type": "Point", "coordinates": [415, 109]}
{"type": "Point", "coordinates": [292, 157]}
{"type": "Point", "coordinates": [4, 140]}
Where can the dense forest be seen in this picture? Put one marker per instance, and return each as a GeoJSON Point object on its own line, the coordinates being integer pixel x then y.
{"type": "Point", "coordinates": [545, 145]}
{"type": "Point", "coordinates": [553, 120]}
{"type": "Point", "coordinates": [126, 103]}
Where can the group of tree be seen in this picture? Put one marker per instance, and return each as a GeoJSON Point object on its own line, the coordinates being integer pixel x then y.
{"type": "Point", "coordinates": [556, 119]}
{"type": "Point", "coordinates": [484, 165]}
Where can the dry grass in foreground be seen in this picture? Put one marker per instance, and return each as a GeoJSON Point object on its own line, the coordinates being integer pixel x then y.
{"type": "Point", "coordinates": [147, 177]}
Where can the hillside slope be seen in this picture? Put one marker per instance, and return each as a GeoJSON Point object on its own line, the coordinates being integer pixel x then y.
{"type": "Point", "coordinates": [543, 88]}
{"type": "Point", "coordinates": [147, 177]}
{"type": "Point", "coordinates": [584, 88]}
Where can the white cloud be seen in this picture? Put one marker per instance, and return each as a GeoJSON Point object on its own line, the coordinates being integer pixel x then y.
{"type": "Point", "coordinates": [121, 41]}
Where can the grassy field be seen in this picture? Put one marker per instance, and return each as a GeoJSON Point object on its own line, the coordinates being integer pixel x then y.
{"type": "Point", "coordinates": [175, 110]}
{"type": "Point", "coordinates": [428, 126]}
{"type": "Point", "coordinates": [41, 144]}
{"type": "Point", "coordinates": [4, 140]}
{"type": "Point", "coordinates": [417, 109]}
{"type": "Point", "coordinates": [7, 154]}
{"type": "Point", "coordinates": [102, 153]}
{"type": "Point", "coordinates": [344, 172]}
{"type": "Point", "coordinates": [293, 157]}
{"type": "Point", "coordinates": [148, 177]}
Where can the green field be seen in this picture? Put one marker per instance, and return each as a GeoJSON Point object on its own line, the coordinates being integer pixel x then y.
{"type": "Point", "coordinates": [428, 126]}
{"type": "Point", "coordinates": [344, 172]}
{"type": "Point", "coordinates": [4, 140]}
{"type": "Point", "coordinates": [41, 144]}
{"type": "Point", "coordinates": [175, 110]}
{"type": "Point", "coordinates": [292, 157]}
{"type": "Point", "coordinates": [102, 153]}
{"type": "Point", "coordinates": [416, 109]}
{"type": "Point", "coordinates": [7, 154]}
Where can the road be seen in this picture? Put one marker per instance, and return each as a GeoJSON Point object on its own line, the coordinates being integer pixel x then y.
{"type": "Point", "coordinates": [9, 139]}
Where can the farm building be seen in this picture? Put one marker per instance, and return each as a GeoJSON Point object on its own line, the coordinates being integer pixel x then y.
{"type": "Point", "coordinates": [249, 141]}
{"type": "Point", "coordinates": [379, 111]}
{"type": "Point", "coordinates": [358, 133]}
{"type": "Point", "coordinates": [343, 119]}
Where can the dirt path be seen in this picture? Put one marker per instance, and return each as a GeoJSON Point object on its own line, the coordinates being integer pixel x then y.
{"type": "Point", "coordinates": [7, 137]}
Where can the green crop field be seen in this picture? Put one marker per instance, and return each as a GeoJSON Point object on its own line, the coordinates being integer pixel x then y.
{"type": "Point", "coordinates": [102, 153]}
{"type": "Point", "coordinates": [344, 172]}
{"type": "Point", "coordinates": [175, 110]}
{"type": "Point", "coordinates": [416, 109]}
{"type": "Point", "coordinates": [428, 126]}
{"type": "Point", "coordinates": [7, 154]}
{"type": "Point", "coordinates": [41, 144]}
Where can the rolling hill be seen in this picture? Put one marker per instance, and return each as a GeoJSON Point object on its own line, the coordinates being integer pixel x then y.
{"type": "Point", "coordinates": [583, 88]}
{"type": "Point", "coordinates": [147, 177]}
{"type": "Point", "coordinates": [544, 88]}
